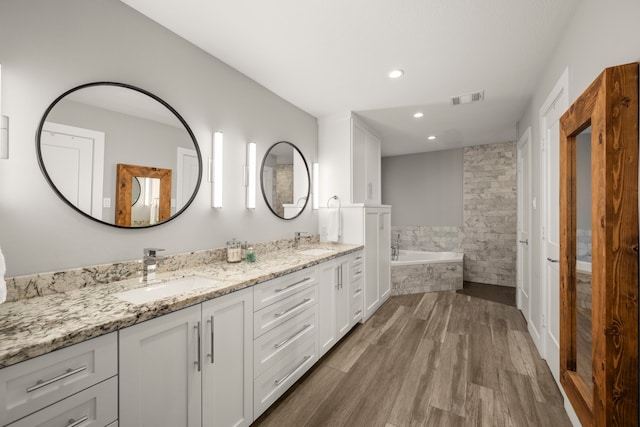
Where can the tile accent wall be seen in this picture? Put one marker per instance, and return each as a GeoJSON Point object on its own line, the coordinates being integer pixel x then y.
{"type": "Point", "coordinates": [488, 235]}
{"type": "Point", "coordinates": [490, 214]}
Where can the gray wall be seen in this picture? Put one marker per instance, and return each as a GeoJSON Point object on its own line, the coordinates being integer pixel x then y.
{"type": "Point", "coordinates": [425, 188]}
{"type": "Point", "coordinates": [50, 47]}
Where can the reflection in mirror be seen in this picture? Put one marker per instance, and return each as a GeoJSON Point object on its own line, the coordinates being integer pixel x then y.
{"type": "Point", "coordinates": [154, 202]}
{"type": "Point", "coordinates": [135, 191]}
{"type": "Point", "coordinates": [583, 258]}
{"type": "Point", "coordinates": [90, 129]}
{"type": "Point", "coordinates": [285, 180]}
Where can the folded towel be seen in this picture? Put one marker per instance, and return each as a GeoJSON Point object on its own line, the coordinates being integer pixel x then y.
{"type": "Point", "coordinates": [333, 225]}
{"type": "Point", "coordinates": [3, 285]}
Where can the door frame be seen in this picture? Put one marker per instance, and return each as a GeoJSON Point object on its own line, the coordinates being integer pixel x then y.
{"type": "Point", "coordinates": [97, 174]}
{"type": "Point", "coordinates": [525, 140]}
{"type": "Point", "coordinates": [560, 88]}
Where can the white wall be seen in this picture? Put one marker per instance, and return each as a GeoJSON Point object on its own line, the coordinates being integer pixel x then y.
{"type": "Point", "coordinates": [599, 35]}
{"type": "Point", "coordinates": [49, 47]}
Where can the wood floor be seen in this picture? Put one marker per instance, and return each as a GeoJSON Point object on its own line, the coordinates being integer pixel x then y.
{"type": "Point", "coordinates": [435, 359]}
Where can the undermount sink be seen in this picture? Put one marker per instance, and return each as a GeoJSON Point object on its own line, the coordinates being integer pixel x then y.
{"type": "Point", "coordinates": [315, 252]}
{"type": "Point", "coordinates": [166, 289]}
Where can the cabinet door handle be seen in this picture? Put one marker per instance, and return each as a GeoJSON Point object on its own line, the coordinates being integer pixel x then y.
{"type": "Point", "coordinates": [42, 383]}
{"type": "Point", "coordinates": [74, 423]}
{"type": "Point", "coordinates": [282, 313]}
{"type": "Point", "coordinates": [212, 341]}
{"type": "Point", "coordinates": [286, 377]}
{"type": "Point", "coordinates": [197, 362]}
{"type": "Point", "coordinates": [553, 260]}
{"type": "Point", "coordinates": [304, 328]}
{"type": "Point", "coordinates": [341, 277]}
{"type": "Point", "coordinates": [293, 284]}
{"type": "Point", "coordinates": [338, 277]}
{"type": "Point", "coordinates": [526, 242]}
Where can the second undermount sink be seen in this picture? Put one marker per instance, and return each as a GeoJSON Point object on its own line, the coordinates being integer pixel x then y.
{"type": "Point", "coordinates": [315, 252]}
{"type": "Point", "coordinates": [166, 289]}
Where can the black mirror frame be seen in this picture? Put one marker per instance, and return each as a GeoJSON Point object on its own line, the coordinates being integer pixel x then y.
{"type": "Point", "coordinates": [137, 89]}
{"type": "Point", "coordinates": [306, 166]}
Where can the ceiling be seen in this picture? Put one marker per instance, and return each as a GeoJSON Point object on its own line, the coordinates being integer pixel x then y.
{"type": "Point", "coordinates": [331, 56]}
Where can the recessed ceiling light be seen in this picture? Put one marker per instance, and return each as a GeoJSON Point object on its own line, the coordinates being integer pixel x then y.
{"type": "Point", "coordinates": [394, 74]}
{"type": "Point", "coordinates": [418, 115]}
{"type": "Point", "coordinates": [431, 137]}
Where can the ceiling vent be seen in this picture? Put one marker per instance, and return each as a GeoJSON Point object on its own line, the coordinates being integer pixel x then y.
{"type": "Point", "coordinates": [467, 98]}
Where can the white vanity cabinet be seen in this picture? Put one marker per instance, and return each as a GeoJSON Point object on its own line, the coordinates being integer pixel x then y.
{"type": "Point", "coordinates": [285, 329]}
{"type": "Point", "coordinates": [77, 382]}
{"type": "Point", "coordinates": [190, 368]}
{"type": "Point", "coordinates": [371, 226]}
{"type": "Point", "coordinates": [349, 155]}
{"type": "Point", "coordinates": [339, 298]}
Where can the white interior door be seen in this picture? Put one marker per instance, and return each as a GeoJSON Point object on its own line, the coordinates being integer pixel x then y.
{"type": "Point", "coordinates": [74, 159]}
{"type": "Point", "coordinates": [524, 223]}
{"type": "Point", "coordinates": [188, 168]}
{"type": "Point", "coordinates": [556, 105]}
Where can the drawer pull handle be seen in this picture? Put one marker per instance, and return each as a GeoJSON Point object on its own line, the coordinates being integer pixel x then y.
{"type": "Point", "coordinates": [357, 292]}
{"type": "Point", "coordinates": [357, 313]}
{"type": "Point", "coordinates": [211, 320]}
{"type": "Point", "coordinates": [74, 423]}
{"type": "Point", "coordinates": [358, 258]}
{"type": "Point", "coordinates": [286, 377]}
{"type": "Point", "coordinates": [40, 383]}
{"type": "Point", "coordinates": [293, 284]}
{"type": "Point", "coordinates": [358, 272]}
{"type": "Point", "coordinates": [198, 362]}
{"type": "Point", "coordinates": [282, 313]}
{"type": "Point", "coordinates": [300, 332]}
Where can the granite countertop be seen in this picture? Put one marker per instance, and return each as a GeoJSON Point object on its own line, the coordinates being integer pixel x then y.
{"type": "Point", "coordinates": [35, 326]}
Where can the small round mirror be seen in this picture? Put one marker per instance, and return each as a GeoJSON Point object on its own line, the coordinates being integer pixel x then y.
{"type": "Point", "coordinates": [285, 180]}
{"type": "Point", "coordinates": [95, 134]}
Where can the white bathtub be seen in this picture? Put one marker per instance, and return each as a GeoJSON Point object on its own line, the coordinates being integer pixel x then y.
{"type": "Point", "coordinates": [583, 266]}
{"type": "Point", "coordinates": [423, 257]}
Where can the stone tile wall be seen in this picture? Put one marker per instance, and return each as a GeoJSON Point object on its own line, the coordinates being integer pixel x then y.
{"type": "Point", "coordinates": [488, 235]}
{"type": "Point", "coordinates": [419, 278]}
{"type": "Point", "coordinates": [490, 214]}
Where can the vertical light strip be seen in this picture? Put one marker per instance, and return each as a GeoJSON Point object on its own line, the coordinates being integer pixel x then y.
{"type": "Point", "coordinates": [316, 185]}
{"type": "Point", "coordinates": [251, 175]}
{"type": "Point", "coordinates": [216, 197]}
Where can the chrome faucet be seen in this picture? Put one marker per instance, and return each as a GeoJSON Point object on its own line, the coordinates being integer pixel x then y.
{"type": "Point", "coordinates": [149, 264]}
{"type": "Point", "coordinates": [297, 235]}
{"type": "Point", "coordinates": [395, 249]}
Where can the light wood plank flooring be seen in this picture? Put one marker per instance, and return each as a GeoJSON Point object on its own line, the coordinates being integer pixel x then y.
{"type": "Point", "coordinates": [435, 359]}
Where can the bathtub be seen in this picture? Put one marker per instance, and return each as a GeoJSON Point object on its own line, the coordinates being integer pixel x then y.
{"type": "Point", "coordinates": [421, 271]}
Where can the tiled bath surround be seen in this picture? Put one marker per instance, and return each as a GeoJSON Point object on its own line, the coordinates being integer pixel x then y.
{"type": "Point", "coordinates": [418, 278]}
{"type": "Point", "coordinates": [24, 287]}
{"type": "Point", "coordinates": [488, 236]}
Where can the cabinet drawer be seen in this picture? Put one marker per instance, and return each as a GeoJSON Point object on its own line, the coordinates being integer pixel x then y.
{"type": "Point", "coordinates": [276, 290]}
{"type": "Point", "coordinates": [357, 267]}
{"type": "Point", "coordinates": [96, 406]}
{"type": "Point", "coordinates": [276, 344]}
{"type": "Point", "coordinates": [278, 313]}
{"type": "Point", "coordinates": [276, 380]}
{"type": "Point", "coordinates": [33, 384]}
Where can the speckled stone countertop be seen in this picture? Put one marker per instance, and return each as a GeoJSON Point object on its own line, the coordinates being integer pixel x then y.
{"type": "Point", "coordinates": [35, 326]}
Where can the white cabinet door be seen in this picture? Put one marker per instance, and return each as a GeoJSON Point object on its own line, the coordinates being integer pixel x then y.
{"type": "Point", "coordinates": [372, 169]}
{"type": "Point", "coordinates": [384, 256]}
{"type": "Point", "coordinates": [342, 297]}
{"type": "Point", "coordinates": [227, 371]}
{"type": "Point", "coordinates": [327, 288]}
{"type": "Point", "coordinates": [371, 295]}
{"type": "Point", "coordinates": [160, 381]}
{"type": "Point", "coordinates": [359, 163]}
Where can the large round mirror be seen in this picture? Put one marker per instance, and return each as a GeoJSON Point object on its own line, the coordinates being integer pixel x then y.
{"type": "Point", "coordinates": [119, 155]}
{"type": "Point", "coordinates": [285, 180]}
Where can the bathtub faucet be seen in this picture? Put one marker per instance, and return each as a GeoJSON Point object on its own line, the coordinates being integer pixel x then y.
{"type": "Point", "coordinates": [395, 252]}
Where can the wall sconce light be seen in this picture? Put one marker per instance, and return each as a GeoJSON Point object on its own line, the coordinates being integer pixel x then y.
{"type": "Point", "coordinates": [4, 127]}
{"type": "Point", "coordinates": [215, 176]}
{"type": "Point", "coordinates": [316, 185]}
{"type": "Point", "coordinates": [251, 175]}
